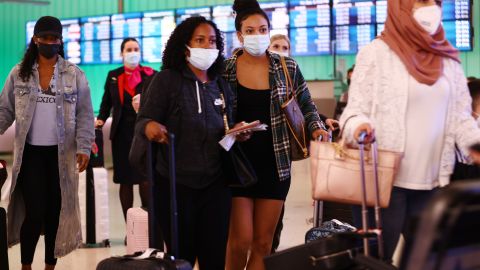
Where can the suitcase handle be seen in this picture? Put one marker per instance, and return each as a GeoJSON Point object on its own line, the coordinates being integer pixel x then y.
{"type": "Point", "coordinates": [378, 218]}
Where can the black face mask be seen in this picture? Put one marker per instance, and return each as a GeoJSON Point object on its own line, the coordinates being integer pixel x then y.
{"type": "Point", "coordinates": [48, 50]}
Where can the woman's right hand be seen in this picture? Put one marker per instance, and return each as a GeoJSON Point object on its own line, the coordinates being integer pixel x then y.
{"type": "Point", "coordinates": [156, 132]}
{"type": "Point", "coordinates": [367, 128]}
{"type": "Point", "coordinates": [99, 123]}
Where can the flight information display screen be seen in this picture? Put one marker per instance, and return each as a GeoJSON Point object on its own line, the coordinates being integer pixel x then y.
{"type": "Point", "coordinates": [95, 52]}
{"type": "Point", "coordinates": [354, 12]}
{"type": "Point", "coordinates": [277, 12]}
{"type": "Point", "coordinates": [152, 48]}
{"type": "Point", "coordinates": [310, 41]}
{"type": "Point", "coordinates": [95, 28]}
{"type": "Point", "coordinates": [309, 13]}
{"type": "Point", "coordinates": [185, 13]}
{"type": "Point", "coordinates": [312, 26]}
{"type": "Point", "coordinates": [161, 23]}
{"type": "Point", "coordinates": [458, 33]}
{"type": "Point", "coordinates": [456, 10]}
{"type": "Point", "coordinates": [223, 18]}
{"type": "Point", "coordinates": [126, 25]}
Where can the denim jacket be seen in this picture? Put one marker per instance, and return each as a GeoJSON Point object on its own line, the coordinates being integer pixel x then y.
{"type": "Point", "coordinates": [75, 131]}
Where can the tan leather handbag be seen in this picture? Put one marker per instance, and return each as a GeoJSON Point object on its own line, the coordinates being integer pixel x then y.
{"type": "Point", "coordinates": [336, 173]}
{"type": "Point", "coordinates": [299, 139]}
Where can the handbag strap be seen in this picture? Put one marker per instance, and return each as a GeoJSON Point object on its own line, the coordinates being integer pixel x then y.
{"type": "Point", "coordinates": [288, 79]}
{"type": "Point", "coordinates": [289, 85]}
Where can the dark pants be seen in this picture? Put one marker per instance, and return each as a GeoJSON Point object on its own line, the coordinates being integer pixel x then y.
{"type": "Point", "coordinates": [39, 183]}
{"type": "Point", "coordinates": [203, 218]}
{"type": "Point", "coordinates": [399, 218]}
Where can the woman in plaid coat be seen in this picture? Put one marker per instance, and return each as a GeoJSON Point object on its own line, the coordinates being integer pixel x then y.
{"type": "Point", "coordinates": [258, 81]}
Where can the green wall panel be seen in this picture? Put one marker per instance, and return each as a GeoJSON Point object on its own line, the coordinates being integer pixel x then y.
{"type": "Point", "coordinates": [13, 17]}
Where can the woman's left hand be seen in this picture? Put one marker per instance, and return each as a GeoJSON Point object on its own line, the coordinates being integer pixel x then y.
{"type": "Point", "coordinates": [82, 162]}
{"type": "Point", "coordinates": [244, 135]}
{"type": "Point", "coordinates": [332, 124]}
{"type": "Point", "coordinates": [320, 132]}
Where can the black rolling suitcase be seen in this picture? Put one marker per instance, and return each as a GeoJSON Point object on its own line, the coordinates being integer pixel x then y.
{"type": "Point", "coordinates": [153, 258]}
{"type": "Point", "coordinates": [337, 251]}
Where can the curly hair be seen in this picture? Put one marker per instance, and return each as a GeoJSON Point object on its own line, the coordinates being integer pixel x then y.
{"type": "Point", "coordinates": [174, 53]}
{"type": "Point", "coordinates": [29, 59]}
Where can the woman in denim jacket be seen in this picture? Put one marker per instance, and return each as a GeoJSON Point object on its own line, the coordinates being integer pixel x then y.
{"type": "Point", "coordinates": [49, 98]}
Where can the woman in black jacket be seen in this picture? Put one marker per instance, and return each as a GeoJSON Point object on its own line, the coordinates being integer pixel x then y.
{"type": "Point", "coordinates": [122, 87]}
{"type": "Point", "coordinates": [185, 98]}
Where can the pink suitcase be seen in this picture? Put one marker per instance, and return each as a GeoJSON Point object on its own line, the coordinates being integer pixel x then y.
{"type": "Point", "coordinates": [137, 230]}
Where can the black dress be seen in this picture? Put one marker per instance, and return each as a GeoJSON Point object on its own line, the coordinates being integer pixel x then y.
{"type": "Point", "coordinates": [123, 173]}
{"type": "Point", "coordinates": [255, 105]}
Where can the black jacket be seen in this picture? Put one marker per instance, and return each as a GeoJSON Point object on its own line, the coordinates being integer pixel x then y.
{"type": "Point", "coordinates": [111, 97]}
{"type": "Point", "coordinates": [172, 100]}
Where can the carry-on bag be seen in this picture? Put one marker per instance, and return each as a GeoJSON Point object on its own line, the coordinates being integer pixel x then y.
{"type": "Point", "coordinates": [154, 258]}
{"type": "Point", "coordinates": [94, 210]}
{"type": "Point", "coordinates": [322, 229]}
{"type": "Point", "coordinates": [137, 229]}
{"type": "Point", "coordinates": [338, 251]}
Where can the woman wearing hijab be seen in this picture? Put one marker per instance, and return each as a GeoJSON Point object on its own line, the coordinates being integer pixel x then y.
{"type": "Point", "coordinates": [422, 111]}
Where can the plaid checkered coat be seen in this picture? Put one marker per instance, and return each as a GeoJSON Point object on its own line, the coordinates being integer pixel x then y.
{"type": "Point", "coordinates": [281, 142]}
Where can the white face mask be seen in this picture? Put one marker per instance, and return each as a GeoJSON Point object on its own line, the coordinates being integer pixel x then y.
{"type": "Point", "coordinates": [256, 45]}
{"type": "Point", "coordinates": [429, 18]}
{"type": "Point", "coordinates": [202, 58]}
{"type": "Point", "coordinates": [131, 59]}
{"type": "Point", "coordinates": [284, 54]}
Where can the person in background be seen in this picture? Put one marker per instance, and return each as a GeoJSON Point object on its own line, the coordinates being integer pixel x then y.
{"type": "Point", "coordinates": [422, 111]}
{"type": "Point", "coordinates": [49, 99]}
{"type": "Point", "coordinates": [280, 44]}
{"type": "Point", "coordinates": [188, 98]}
{"type": "Point", "coordinates": [121, 87]}
{"type": "Point", "coordinates": [471, 78]}
{"type": "Point", "coordinates": [464, 169]}
{"type": "Point", "coordinates": [344, 96]}
{"type": "Point", "coordinates": [256, 210]}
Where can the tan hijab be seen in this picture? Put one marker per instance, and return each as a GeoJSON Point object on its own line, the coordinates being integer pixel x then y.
{"type": "Point", "coordinates": [421, 52]}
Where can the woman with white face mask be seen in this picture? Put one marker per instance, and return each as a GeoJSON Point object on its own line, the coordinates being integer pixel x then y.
{"type": "Point", "coordinates": [121, 86]}
{"type": "Point", "coordinates": [189, 98]}
{"type": "Point", "coordinates": [258, 81]}
{"type": "Point", "coordinates": [409, 92]}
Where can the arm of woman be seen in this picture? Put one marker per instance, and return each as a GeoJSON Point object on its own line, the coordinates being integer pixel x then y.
{"type": "Point", "coordinates": [7, 103]}
{"type": "Point", "coordinates": [312, 119]}
{"type": "Point", "coordinates": [85, 133]}
{"type": "Point", "coordinates": [106, 105]}
{"type": "Point", "coordinates": [360, 102]}
{"type": "Point", "coordinates": [467, 131]}
{"type": "Point", "coordinates": [153, 108]}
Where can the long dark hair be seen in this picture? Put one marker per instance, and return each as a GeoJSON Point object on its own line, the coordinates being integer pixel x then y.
{"type": "Point", "coordinates": [29, 59]}
{"type": "Point", "coordinates": [174, 53]}
{"type": "Point", "coordinates": [246, 8]}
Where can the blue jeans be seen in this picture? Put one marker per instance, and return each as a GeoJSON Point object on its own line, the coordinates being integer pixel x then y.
{"type": "Point", "coordinates": [400, 217]}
